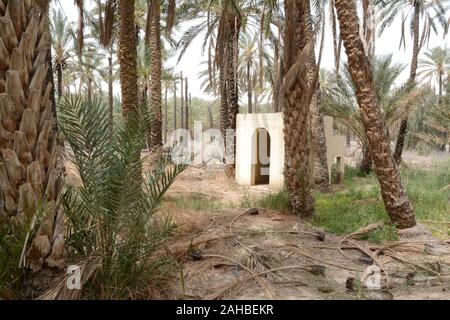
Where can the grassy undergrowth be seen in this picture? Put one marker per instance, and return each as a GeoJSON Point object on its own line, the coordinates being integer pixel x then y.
{"type": "Point", "coordinates": [359, 203]}
{"type": "Point", "coordinates": [196, 201]}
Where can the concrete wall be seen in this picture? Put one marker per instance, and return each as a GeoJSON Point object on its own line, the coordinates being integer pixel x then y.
{"type": "Point", "coordinates": [335, 148]}
{"type": "Point", "coordinates": [246, 147]}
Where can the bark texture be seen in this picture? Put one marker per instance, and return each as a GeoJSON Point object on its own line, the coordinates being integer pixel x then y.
{"type": "Point", "coordinates": [30, 164]}
{"type": "Point", "coordinates": [233, 27]}
{"type": "Point", "coordinates": [396, 201]}
{"type": "Point", "coordinates": [128, 57]}
{"type": "Point", "coordinates": [296, 110]}
{"type": "Point", "coordinates": [156, 75]}
{"type": "Point", "coordinates": [321, 178]}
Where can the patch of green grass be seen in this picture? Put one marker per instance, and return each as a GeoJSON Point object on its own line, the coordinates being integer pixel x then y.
{"type": "Point", "coordinates": [278, 201]}
{"type": "Point", "coordinates": [196, 201]}
{"type": "Point", "coordinates": [275, 201]}
{"type": "Point", "coordinates": [345, 212]}
{"type": "Point", "coordinates": [360, 203]}
{"type": "Point", "coordinates": [426, 190]}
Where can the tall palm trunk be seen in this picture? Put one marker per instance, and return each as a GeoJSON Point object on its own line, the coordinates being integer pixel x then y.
{"type": "Point", "coordinates": [186, 104]}
{"type": "Point", "coordinates": [182, 100]}
{"type": "Point", "coordinates": [412, 78]}
{"type": "Point", "coordinates": [128, 57]}
{"type": "Point", "coordinates": [277, 79]}
{"type": "Point", "coordinates": [233, 27]}
{"type": "Point", "coordinates": [249, 87]}
{"type": "Point", "coordinates": [154, 39]}
{"type": "Point", "coordinates": [165, 114]}
{"type": "Point", "coordinates": [223, 102]}
{"type": "Point", "coordinates": [174, 105]}
{"type": "Point", "coordinates": [59, 78]}
{"type": "Point", "coordinates": [395, 199]}
{"type": "Point", "coordinates": [321, 177]}
{"type": "Point", "coordinates": [296, 109]}
{"type": "Point", "coordinates": [110, 88]}
{"type": "Point", "coordinates": [30, 166]}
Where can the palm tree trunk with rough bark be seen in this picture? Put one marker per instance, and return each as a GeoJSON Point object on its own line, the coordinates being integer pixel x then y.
{"type": "Point", "coordinates": [59, 76]}
{"type": "Point", "coordinates": [174, 105]}
{"type": "Point", "coordinates": [366, 161]}
{"type": "Point", "coordinates": [128, 57]}
{"type": "Point", "coordinates": [321, 178]}
{"type": "Point", "coordinates": [110, 88]}
{"type": "Point", "coordinates": [249, 88]}
{"type": "Point", "coordinates": [165, 114]}
{"type": "Point", "coordinates": [395, 199]}
{"type": "Point", "coordinates": [30, 164]}
{"type": "Point", "coordinates": [233, 27]}
{"type": "Point", "coordinates": [296, 111]}
{"type": "Point", "coordinates": [182, 100]}
{"type": "Point", "coordinates": [412, 78]}
{"type": "Point", "coordinates": [223, 102]}
{"type": "Point", "coordinates": [156, 74]}
{"type": "Point", "coordinates": [186, 104]}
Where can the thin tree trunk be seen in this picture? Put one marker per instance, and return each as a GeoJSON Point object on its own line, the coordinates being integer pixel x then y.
{"type": "Point", "coordinates": [128, 57]}
{"type": "Point", "coordinates": [321, 177]}
{"type": "Point", "coordinates": [277, 80]}
{"type": "Point", "coordinates": [59, 78]}
{"type": "Point", "coordinates": [175, 104]}
{"type": "Point", "coordinates": [186, 104]}
{"type": "Point", "coordinates": [412, 78]}
{"type": "Point", "coordinates": [395, 199]}
{"type": "Point", "coordinates": [224, 122]}
{"type": "Point", "coordinates": [182, 100]}
{"type": "Point", "coordinates": [249, 87]}
{"type": "Point", "coordinates": [110, 88]}
{"type": "Point", "coordinates": [156, 74]}
{"type": "Point", "coordinates": [89, 90]}
{"type": "Point", "coordinates": [165, 115]}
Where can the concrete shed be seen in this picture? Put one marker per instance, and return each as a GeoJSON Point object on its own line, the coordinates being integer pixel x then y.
{"type": "Point", "coordinates": [260, 149]}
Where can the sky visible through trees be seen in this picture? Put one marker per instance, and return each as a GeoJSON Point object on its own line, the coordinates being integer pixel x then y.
{"type": "Point", "coordinates": [191, 63]}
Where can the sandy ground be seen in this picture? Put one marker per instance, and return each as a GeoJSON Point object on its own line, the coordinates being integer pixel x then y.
{"type": "Point", "coordinates": [223, 250]}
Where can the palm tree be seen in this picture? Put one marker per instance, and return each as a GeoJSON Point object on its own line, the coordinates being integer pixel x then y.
{"type": "Point", "coordinates": [298, 92]}
{"type": "Point", "coordinates": [153, 37]}
{"type": "Point", "coordinates": [340, 102]}
{"type": "Point", "coordinates": [30, 167]}
{"type": "Point", "coordinates": [104, 29]}
{"type": "Point", "coordinates": [395, 199]}
{"type": "Point", "coordinates": [59, 28]}
{"type": "Point", "coordinates": [249, 53]}
{"type": "Point", "coordinates": [255, 70]}
{"type": "Point", "coordinates": [435, 66]}
{"type": "Point", "coordinates": [321, 177]}
{"type": "Point", "coordinates": [432, 13]}
{"type": "Point", "coordinates": [224, 20]}
{"type": "Point", "coordinates": [128, 57]}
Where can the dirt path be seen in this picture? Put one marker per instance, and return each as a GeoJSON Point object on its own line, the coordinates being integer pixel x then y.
{"type": "Point", "coordinates": [223, 262]}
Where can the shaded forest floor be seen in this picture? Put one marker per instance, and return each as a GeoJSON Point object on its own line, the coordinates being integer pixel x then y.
{"type": "Point", "coordinates": [227, 251]}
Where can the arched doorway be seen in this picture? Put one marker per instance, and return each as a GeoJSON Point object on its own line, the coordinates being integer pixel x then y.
{"type": "Point", "coordinates": [261, 157]}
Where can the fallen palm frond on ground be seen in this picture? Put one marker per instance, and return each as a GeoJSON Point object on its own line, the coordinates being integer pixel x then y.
{"type": "Point", "coordinates": [261, 253]}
